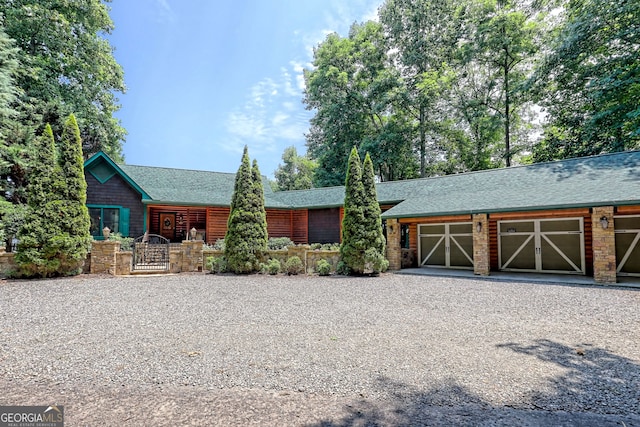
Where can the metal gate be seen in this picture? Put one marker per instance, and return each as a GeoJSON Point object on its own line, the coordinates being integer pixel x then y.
{"type": "Point", "coordinates": [151, 252]}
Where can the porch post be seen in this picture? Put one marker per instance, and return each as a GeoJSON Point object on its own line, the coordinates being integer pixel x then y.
{"type": "Point", "coordinates": [394, 252]}
{"type": "Point", "coordinates": [604, 245]}
{"type": "Point", "coordinates": [481, 253]}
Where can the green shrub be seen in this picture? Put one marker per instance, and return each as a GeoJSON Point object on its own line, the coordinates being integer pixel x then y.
{"type": "Point", "coordinates": [278, 243]}
{"type": "Point", "coordinates": [126, 243]}
{"type": "Point", "coordinates": [216, 264]}
{"type": "Point", "coordinates": [343, 269]}
{"type": "Point", "coordinates": [218, 245]}
{"type": "Point", "coordinates": [293, 266]}
{"type": "Point", "coordinates": [273, 267]}
{"type": "Point", "coordinates": [375, 262]}
{"type": "Point", "coordinates": [323, 267]}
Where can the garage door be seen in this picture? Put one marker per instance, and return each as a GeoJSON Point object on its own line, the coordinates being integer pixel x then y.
{"type": "Point", "coordinates": [446, 245]}
{"type": "Point", "coordinates": [542, 245]}
{"type": "Point", "coordinates": [627, 245]}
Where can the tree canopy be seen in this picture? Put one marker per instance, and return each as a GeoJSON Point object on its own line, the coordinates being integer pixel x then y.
{"type": "Point", "coordinates": [441, 86]}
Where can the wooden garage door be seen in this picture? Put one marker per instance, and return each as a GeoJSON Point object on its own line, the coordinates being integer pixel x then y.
{"type": "Point", "coordinates": [627, 245]}
{"type": "Point", "coordinates": [446, 245]}
{"type": "Point", "coordinates": [542, 245]}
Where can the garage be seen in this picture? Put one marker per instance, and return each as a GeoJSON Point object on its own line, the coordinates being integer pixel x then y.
{"type": "Point", "coordinates": [542, 245]}
{"type": "Point", "coordinates": [446, 245]}
{"type": "Point", "coordinates": [627, 232]}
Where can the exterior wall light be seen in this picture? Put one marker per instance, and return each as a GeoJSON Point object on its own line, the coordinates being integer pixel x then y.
{"type": "Point", "coordinates": [193, 232]}
{"type": "Point", "coordinates": [479, 227]}
{"type": "Point", "coordinates": [106, 233]}
{"type": "Point", "coordinates": [604, 222]}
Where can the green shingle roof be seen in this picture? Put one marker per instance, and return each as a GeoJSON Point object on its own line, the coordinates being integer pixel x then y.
{"type": "Point", "coordinates": [189, 187]}
{"type": "Point", "coordinates": [611, 179]}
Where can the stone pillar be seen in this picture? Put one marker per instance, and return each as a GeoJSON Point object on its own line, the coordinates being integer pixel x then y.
{"type": "Point", "coordinates": [481, 253]}
{"type": "Point", "coordinates": [103, 256]}
{"type": "Point", "coordinates": [123, 263]}
{"type": "Point", "coordinates": [394, 251]}
{"type": "Point", "coordinates": [192, 255]}
{"type": "Point", "coordinates": [604, 246]}
{"type": "Point", "coordinates": [175, 260]}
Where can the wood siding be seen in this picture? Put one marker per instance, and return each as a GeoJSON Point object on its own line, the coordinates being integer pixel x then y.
{"type": "Point", "coordinates": [186, 219]}
{"type": "Point", "coordinates": [300, 221]}
{"type": "Point", "coordinates": [217, 218]}
{"type": "Point", "coordinates": [279, 223]}
{"type": "Point", "coordinates": [117, 192]}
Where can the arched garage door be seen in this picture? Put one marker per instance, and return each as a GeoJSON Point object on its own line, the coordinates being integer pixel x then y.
{"type": "Point", "coordinates": [627, 245]}
{"type": "Point", "coordinates": [542, 245]}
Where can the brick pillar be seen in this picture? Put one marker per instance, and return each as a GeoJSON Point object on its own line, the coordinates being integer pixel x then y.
{"type": "Point", "coordinates": [604, 246]}
{"type": "Point", "coordinates": [394, 252]}
{"type": "Point", "coordinates": [103, 256]}
{"type": "Point", "coordinates": [481, 255]}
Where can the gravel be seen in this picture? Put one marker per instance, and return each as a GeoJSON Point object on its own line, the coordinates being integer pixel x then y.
{"type": "Point", "coordinates": [394, 350]}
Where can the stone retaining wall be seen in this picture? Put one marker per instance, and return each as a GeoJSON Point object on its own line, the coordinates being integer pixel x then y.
{"type": "Point", "coordinates": [7, 264]}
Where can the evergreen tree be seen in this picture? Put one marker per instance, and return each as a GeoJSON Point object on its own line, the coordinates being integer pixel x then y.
{"type": "Point", "coordinates": [262, 235]}
{"type": "Point", "coordinates": [354, 242]}
{"type": "Point", "coordinates": [245, 240]}
{"type": "Point", "coordinates": [37, 256]}
{"type": "Point", "coordinates": [375, 253]}
{"type": "Point", "coordinates": [74, 239]}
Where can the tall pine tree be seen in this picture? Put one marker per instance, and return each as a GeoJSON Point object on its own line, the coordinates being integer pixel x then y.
{"type": "Point", "coordinates": [245, 240]}
{"type": "Point", "coordinates": [74, 239]}
{"type": "Point", "coordinates": [375, 260]}
{"type": "Point", "coordinates": [37, 256]}
{"type": "Point", "coordinates": [354, 242]}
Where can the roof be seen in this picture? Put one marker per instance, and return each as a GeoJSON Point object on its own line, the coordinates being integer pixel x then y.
{"type": "Point", "coordinates": [610, 179]}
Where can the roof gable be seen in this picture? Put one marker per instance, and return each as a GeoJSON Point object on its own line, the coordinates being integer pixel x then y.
{"type": "Point", "coordinates": [102, 168]}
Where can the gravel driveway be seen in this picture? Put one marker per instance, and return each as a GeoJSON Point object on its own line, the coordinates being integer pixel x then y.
{"type": "Point", "coordinates": [198, 349]}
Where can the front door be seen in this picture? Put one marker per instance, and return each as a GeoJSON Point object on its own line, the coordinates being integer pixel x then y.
{"type": "Point", "coordinates": [168, 225]}
{"type": "Point", "coordinates": [542, 245]}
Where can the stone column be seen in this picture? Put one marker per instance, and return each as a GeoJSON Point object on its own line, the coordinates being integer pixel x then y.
{"type": "Point", "coordinates": [394, 251]}
{"type": "Point", "coordinates": [604, 245]}
{"type": "Point", "coordinates": [481, 250]}
{"type": "Point", "coordinates": [103, 256]}
{"type": "Point", "coordinates": [123, 263]}
{"type": "Point", "coordinates": [192, 255]}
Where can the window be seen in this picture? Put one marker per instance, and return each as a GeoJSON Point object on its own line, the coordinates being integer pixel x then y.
{"type": "Point", "coordinates": [114, 217]}
{"type": "Point", "coordinates": [404, 236]}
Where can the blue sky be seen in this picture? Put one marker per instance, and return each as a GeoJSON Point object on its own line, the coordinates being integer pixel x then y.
{"type": "Point", "coordinates": [204, 78]}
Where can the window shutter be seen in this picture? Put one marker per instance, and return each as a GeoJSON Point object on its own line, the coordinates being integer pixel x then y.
{"type": "Point", "coordinates": [124, 221]}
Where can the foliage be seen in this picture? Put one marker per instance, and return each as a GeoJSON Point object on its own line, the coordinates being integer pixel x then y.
{"type": "Point", "coordinates": [246, 237]}
{"type": "Point", "coordinates": [126, 243]}
{"type": "Point", "coordinates": [376, 243]}
{"type": "Point", "coordinates": [355, 93]}
{"type": "Point", "coordinates": [74, 238]}
{"type": "Point", "coordinates": [325, 246]}
{"type": "Point", "coordinates": [354, 239]}
{"type": "Point", "coordinates": [216, 264]}
{"type": "Point", "coordinates": [67, 66]}
{"type": "Point", "coordinates": [218, 245]}
{"type": "Point", "coordinates": [296, 173]}
{"type": "Point", "coordinates": [12, 217]}
{"type": "Point", "coordinates": [293, 266]}
{"type": "Point", "coordinates": [278, 243]}
{"type": "Point", "coordinates": [323, 267]}
{"type": "Point", "coordinates": [374, 262]}
{"type": "Point", "coordinates": [590, 81]}
{"type": "Point", "coordinates": [38, 247]}
{"type": "Point", "coordinates": [273, 266]}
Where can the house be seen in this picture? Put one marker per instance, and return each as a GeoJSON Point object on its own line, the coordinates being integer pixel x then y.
{"type": "Point", "coordinates": [576, 216]}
